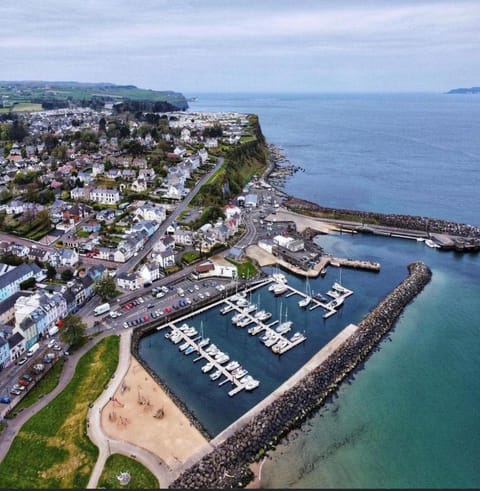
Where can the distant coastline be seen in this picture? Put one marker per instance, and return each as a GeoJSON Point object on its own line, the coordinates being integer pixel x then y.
{"type": "Point", "coordinates": [471, 90]}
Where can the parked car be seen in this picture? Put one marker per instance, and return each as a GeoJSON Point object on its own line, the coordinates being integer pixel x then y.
{"type": "Point", "coordinates": [5, 400]}
{"type": "Point", "coordinates": [57, 348]}
{"type": "Point", "coordinates": [22, 360]}
{"type": "Point", "coordinates": [51, 343]}
{"type": "Point", "coordinates": [15, 392]}
{"type": "Point", "coordinates": [25, 379]}
{"type": "Point", "coordinates": [18, 387]}
{"type": "Point", "coordinates": [126, 325]}
{"type": "Point", "coordinates": [150, 306]}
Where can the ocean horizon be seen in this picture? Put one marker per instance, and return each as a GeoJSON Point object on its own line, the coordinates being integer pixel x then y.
{"type": "Point", "coordinates": [408, 417]}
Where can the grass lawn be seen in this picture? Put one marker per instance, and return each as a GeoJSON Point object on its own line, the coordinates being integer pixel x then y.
{"type": "Point", "coordinates": [52, 449]}
{"type": "Point", "coordinates": [245, 269]}
{"type": "Point", "coordinates": [190, 256]}
{"type": "Point", "coordinates": [26, 106]}
{"type": "Point", "coordinates": [141, 477]}
{"type": "Point", "coordinates": [43, 387]}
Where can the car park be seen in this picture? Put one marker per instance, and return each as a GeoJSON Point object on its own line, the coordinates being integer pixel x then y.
{"type": "Point", "coordinates": [22, 361]}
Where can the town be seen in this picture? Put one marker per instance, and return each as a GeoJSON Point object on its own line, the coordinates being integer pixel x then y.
{"type": "Point", "coordinates": [97, 207]}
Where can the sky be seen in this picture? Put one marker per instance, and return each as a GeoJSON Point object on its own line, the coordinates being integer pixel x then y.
{"type": "Point", "coordinates": [196, 46]}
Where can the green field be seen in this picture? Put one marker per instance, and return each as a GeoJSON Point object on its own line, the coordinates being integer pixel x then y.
{"type": "Point", "coordinates": [52, 449]}
{"type": "Point", "coordinates": [140, 476]}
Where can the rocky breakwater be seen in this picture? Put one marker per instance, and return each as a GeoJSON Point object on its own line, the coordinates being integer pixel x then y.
{"type": "Point", "coordinates": [227, 465]}
{"type": "Point", "coordinates": [464, 237]}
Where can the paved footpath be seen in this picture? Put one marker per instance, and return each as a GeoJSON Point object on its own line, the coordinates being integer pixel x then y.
{"type": "Point", "coordinates": [106, 446]}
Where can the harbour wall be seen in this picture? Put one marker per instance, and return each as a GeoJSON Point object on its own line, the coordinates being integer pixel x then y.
{"type": "Point", "coordinates": [227, 465]}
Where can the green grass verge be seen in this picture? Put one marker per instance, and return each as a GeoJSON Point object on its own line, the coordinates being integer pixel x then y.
{"type": "Point", "coordinates": [190, 256]}
{"type": "Point", "coordinates": [52, 449]}
{"type": "Point", "coordinates": [44, 386]}
{"type": "Point", "coordinates": [245, 269]}
{"type": "Point", "coordinates": [141, 477]}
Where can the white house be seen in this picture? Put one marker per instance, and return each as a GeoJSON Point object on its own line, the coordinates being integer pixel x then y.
{"type": "Point", "coordinates": [148, 211]}
{"type": "Point", "coordinates": [149, 272]}
{"type": "Point", "coordinates": [129, 281]}
{"type": "Point", "coordinates": [105, 196]}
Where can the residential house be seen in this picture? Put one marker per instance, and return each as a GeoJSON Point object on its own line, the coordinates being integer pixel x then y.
{"type": "Point", "coordinates": [4, 351]}
{"type": "Point", "coordinates": [149, 226]}
{"type": "Point", "coordinates": [105, 196]}
{"type": "Point", "coordinates": [80, 193]}
{"type": "Point", "coordinates": [149, 211]}
{"type": "Point", "coordinates": [10, 281]}
{"type": "Point", "coordinates": [36, 314]}
{"type": "Point", "coordinates": [183, 237]}
{"type": "Point", "coordinates": [139, 185]}
{"type": "Point", "coordinates": [91, 226]}
{"type": "Point", "coordinates": [7, 307]}
{"type": "Point", "coordinates": [16, 344]}
{"type": "Point", "coordinates": [98, 168]}
{"type": "Point", "coordinates": [129, 281]}
{"type": "Point", "coordinates": [14, 207]}
{"type": "Point", "coordinates": [149, 272]}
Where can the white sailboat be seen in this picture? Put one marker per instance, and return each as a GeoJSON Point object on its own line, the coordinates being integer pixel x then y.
{"type": "Point", "coordinates": [305, 301]}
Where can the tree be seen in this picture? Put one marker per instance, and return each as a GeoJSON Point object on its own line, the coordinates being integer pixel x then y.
{"type": "Point", "coordinates": [105, 287]}
{"type": "Point", "coordinates": [67, 275]}
{"type": "Point", "coordinates": [51, 272]}
{"type": "Point", "coordinates": [73, 329]}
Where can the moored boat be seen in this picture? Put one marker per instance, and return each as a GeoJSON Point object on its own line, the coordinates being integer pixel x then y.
{"type": "Point", "coordinates": [232, 365]}
{"type": "Point", "coordinates": [206, 368]}
{"type": "Point", "coordinates": [304, 302]}
{"type": "Point", "coordinates": [215, 375]}
{"type": "Point", "coordinates": [284, 327]}
{"type": "Point", "coordinates": [280, 289]}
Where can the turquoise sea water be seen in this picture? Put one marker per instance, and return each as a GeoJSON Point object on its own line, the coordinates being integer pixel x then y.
{"type": "Point", "coordinates": [409, 417]}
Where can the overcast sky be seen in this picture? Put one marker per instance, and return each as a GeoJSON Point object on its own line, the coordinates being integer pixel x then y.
{"type": "Point", "coordinates": [245, 45]}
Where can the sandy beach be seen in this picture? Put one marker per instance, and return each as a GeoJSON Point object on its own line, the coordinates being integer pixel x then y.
{"type": "Point", "coordinates": [140, 412]}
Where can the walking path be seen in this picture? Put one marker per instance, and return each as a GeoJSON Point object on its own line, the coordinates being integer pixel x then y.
{"type": "Point", "coordinates": [106, 446]}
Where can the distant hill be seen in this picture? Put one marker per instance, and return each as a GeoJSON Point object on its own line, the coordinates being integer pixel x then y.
{"type": "Point", "coordinates": [63, 94]}
{"type": "Point", "coordinates": [471, 90]}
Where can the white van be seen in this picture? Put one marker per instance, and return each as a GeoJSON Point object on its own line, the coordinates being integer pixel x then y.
{"type": "Point", "coordinates": [32, 350]}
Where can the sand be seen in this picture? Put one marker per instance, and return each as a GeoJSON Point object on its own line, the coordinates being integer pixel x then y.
{"type": "Point", "coordinates": [130, 416]}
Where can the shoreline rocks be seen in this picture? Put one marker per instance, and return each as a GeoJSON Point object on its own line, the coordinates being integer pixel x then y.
{"type": "Point", "coordinates": [227, 465]}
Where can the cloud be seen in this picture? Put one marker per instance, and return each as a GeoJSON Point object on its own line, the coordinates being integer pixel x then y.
{"type": "Point", "coordinates": [242, 35]}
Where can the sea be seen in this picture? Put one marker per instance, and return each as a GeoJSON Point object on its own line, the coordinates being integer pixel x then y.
{"type": "Point", "coordinates": [408, 417]}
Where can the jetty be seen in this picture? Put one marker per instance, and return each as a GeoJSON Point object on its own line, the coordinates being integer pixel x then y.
{"type": "Point", "coordinates": [210, 358]}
